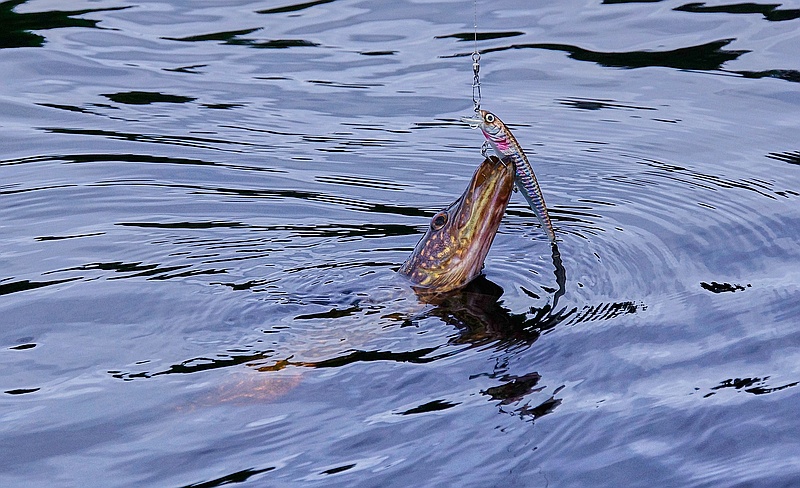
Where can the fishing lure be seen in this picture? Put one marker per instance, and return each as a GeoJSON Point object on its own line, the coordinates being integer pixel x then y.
{"type": "Point", "coordinates": [508, 149]}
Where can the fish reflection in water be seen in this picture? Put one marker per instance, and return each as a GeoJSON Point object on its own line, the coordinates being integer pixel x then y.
{"type": "Point", "coordinates": [478, 317]}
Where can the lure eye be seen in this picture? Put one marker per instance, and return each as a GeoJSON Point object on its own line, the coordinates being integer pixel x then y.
{"type": "Point", "coordinates": [439, 220]}
{"type": "Point", "coordinates": [489, 118]}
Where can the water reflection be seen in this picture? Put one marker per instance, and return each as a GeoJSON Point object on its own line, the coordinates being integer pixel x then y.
{"type": "Point", "coordinates": [188, 141]}
{"type": "Point", "coordinates": [715, 287]}
{"type": "Point", "coordinates": [590, 104]}
{"type": "Point", "coordinates": [787, 157]}
{"type": "Point", "coordinates": [755, 386]}
{"type": "Point", "coordinates": [233, 38]}
{"type": "Point", "coordinates": [771, 12]}
{"type": "Point", "coordinates": [704, 57]}
{"type": "Point", "coordinates": [481, 36]}
{"type": "Point", "coordinates": [231, 237]}
{"type": "Point", "coordinates": [131, 158]}
{"type": "Point", "coordinates": [225, 36]}
{"type": "Point", "coordinates": [237, 477]}
{"type": "Point", "coordinates": [293, 8]}
{"type": "Point", "coordinates": [515, 389]}
{"type": "Point", "coordinates": [16, 28]}
{"type": "Point", "coordinates": [8, 287]}
{"type": "Point", "coordinates": [146, 98]}
{"type": "Point", "coordinates": [267, 360]}
{"type": "Point", "coordinates": [476, 313]}
{"type": "Point", "coordinates": [780, 74]}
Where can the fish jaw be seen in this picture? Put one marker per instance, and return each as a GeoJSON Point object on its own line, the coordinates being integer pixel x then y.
{"type": "Point", "coordinates": [474, 122]}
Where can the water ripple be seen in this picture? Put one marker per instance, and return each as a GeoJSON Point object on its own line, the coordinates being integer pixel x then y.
{"type": "Point", "coordinates": [786, 157]}
{"type": "Point", "coordinates": [146, 98]}
{"type": "Point", "coordinates": [182, 140]}
{"type": "Point", "coordinates": [233, 38]}
{"type": "Point", "coordinates": [294, 8]}
{"type": "Point", "coordinates": [6, 288]}
{"type": "Point", "coordinates": [18, 27]}
{"type": "Point", "coordinates": [203, 205]}
{"type": "Point", "coordinates": [704, 57]}
{"type": "Point", "coordinates": [130, 158]}
{"type": "Point", "coordinates": [481, 36]}
{"type": "Point", "coordinates": [771, 12]}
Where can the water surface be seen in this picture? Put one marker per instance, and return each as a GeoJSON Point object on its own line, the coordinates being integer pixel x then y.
{"type": "Point", "coordinates": [203, 208]}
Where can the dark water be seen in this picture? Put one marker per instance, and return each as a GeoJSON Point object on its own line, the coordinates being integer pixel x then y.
{"type": "Point", "coordinates": [202, 206]}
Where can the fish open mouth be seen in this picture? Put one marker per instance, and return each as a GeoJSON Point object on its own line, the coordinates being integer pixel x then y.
{"type": "Point", "coordinates": [474, 121]}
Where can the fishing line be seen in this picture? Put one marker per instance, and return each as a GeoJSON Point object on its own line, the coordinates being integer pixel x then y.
{"type": "Point", "coordinates": [476, 66]}
{"type": "Point", "coordinates": [476, 79]}
{"type": "Point", "coordinates": [560, 271]}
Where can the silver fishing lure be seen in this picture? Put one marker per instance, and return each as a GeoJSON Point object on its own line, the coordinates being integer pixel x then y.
{"type": "Point", "coordinates": [508, 149]}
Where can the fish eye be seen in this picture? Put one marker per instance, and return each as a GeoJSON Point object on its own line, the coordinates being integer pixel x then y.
{"type": "Point", "coordinates": [489, 118]}
{"type": "Point", "coordinates": [438, 220]}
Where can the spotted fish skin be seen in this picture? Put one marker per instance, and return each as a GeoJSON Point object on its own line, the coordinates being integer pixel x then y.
{"type": "Point", "coordinates": [507, 148]}
{"type": "Point", "coordinates": [455, 245]}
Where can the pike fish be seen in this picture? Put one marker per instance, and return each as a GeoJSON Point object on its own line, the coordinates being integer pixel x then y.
{"type": "Point", "coordinates": [452, 251]}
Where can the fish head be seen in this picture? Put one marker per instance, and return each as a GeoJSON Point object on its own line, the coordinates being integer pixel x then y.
{"type": "Point", "coordinates": [492, 128]}
{"type": "Point", "coordinates": [455, 245]}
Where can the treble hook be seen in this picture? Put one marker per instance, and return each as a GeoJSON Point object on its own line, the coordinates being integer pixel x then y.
{"type": "Point", "coordinates": [485, 148]}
